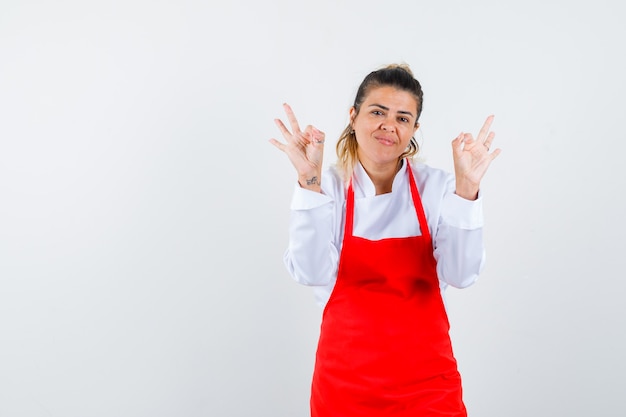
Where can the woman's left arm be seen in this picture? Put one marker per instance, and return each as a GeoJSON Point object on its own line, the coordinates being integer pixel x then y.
{"type": "Point", "coordinates": [458, 240]}
{"type": "Point", "coordinates": [459, 248]}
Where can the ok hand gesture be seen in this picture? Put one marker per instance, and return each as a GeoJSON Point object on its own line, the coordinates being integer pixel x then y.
{"type": "Point", "coordinates": [471, 159]}
{"type": "Point", "coordinates": [305, 150]}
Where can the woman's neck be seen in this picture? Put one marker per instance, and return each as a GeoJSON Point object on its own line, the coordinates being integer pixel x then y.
{"type": "Point", "coordinates": [382, 176]}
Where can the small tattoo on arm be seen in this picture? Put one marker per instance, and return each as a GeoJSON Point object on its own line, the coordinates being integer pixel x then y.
{"type": "Point", "coordinates": [313, 181]}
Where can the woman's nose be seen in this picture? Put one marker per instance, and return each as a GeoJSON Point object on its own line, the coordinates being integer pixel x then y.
{"type": "Point", "coordinates": [388, 126]}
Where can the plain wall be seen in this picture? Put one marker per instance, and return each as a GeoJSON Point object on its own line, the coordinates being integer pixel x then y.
{"type": "Point", "coordinates": [144, 215]}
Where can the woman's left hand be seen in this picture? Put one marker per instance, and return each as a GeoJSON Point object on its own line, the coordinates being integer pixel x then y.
{"type": "Point", "coordinates": [472, 158]}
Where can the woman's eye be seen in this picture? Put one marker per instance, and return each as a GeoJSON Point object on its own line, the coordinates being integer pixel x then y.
{"type": "Point", "coordinates": [377, 112]}
{"type": "Point", "coordinates": [404, 119]}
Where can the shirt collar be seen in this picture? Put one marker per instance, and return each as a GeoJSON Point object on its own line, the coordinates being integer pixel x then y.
{"type": "Point", "coordinates": [363, 185]}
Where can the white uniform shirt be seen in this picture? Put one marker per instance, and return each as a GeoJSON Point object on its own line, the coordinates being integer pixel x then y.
{"type": "Point", "coordinates": [317, 225]}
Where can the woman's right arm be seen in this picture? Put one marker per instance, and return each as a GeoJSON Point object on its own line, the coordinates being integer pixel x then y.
{"type": "Point", "coordinates": [312, 256]}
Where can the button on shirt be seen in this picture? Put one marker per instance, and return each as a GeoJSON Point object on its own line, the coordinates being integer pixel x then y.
{"type": "Point", "coordinates": [317, 225]}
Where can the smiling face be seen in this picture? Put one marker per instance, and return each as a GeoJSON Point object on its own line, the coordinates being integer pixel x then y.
{"type": "Point", "coordinates": [384, 126]}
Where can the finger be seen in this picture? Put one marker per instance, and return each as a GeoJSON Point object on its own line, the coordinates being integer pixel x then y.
{"type": "Point", "coordinates": [468, 139]}
{"type": "Point", "coordinates": [482, 135]}
{"type": "Point", "coordinates": [295, 127]}
{"type": "Point", "coordinates": [315, 135]}
{"type": "Point", "coordinates": [283, 129]}
{"type": "Point", "coordinates": [276, 143]}
{"type": "Point", "coordinates": [489, 139]}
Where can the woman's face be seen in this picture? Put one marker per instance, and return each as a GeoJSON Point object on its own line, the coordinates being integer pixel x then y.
{"type": "Point", "coordinates": [384, 126]}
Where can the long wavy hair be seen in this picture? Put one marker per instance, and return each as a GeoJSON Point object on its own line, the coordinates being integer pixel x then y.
{"type": "Point", "coordinates": [398, 76]}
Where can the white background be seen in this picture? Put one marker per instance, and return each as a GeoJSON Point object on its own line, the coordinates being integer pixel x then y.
{"type": "Point", "coordinates": [143, 214]}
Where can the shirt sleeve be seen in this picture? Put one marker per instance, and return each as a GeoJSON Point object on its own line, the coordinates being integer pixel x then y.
{"type": "Point", "coordinates": [312, 256]}
{"type": "Point", "coordinates": [459, 248]}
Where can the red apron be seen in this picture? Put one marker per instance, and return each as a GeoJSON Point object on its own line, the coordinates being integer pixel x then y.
{"type": "Point", "coordinates": [384, 347]}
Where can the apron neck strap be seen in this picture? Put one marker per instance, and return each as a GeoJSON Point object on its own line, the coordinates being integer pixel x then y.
{"type": "Point", "coordinates": [417, 203]}
{"type": "Point", "coordinates": [349, 210]}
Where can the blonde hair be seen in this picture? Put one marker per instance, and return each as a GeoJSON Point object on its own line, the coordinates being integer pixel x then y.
{"type": "Point", "coordinates": [398, 76]}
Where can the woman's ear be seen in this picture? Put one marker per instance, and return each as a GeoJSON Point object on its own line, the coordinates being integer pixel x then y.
{"type": "Point", "coordinates": [417, 126]}
{"type": "Point", "coordinates": [352, 116]}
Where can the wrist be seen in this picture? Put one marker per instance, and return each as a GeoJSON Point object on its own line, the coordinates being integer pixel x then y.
{"type": "Point", "coordinates": [467, 190]}
{"type": "Point", "coordinates": [311, 182]}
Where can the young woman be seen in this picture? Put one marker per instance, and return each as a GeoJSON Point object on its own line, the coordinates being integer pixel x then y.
{"type": "Point", "coordinates": [381, 236]}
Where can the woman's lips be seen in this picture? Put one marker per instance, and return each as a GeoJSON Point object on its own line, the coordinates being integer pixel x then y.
{"type": "Point", "coordinates": [384, 140]}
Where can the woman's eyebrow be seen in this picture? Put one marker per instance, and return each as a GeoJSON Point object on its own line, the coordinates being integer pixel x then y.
{"type": "Point", "coordinates": [387, 109]}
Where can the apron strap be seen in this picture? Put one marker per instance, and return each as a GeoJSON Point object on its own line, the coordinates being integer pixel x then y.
{"type": "Point", "coordinates": [349, 210]}
{"type": "Point", "coordinates": [417, 203]}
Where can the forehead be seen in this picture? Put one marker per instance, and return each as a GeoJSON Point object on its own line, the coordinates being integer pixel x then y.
{"type": "Point", "coordinates": [392, 98]}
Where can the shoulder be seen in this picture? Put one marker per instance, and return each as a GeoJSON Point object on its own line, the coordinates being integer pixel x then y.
{"type": "Point", "coordinates": [427, 176]}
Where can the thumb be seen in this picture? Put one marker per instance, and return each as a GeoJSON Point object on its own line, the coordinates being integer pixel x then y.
{"type": "Point", "coordinates": [457, 143]}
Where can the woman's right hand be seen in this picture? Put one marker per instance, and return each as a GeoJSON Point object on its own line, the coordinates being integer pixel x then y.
{"type": "Point", "coordinates": [305, 150]}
